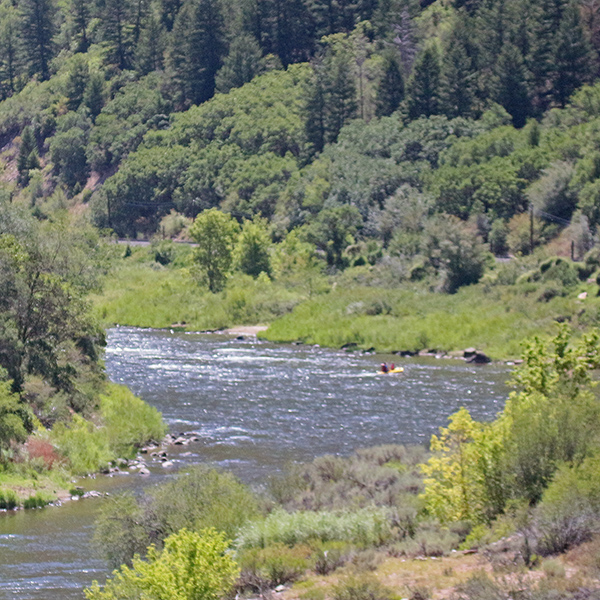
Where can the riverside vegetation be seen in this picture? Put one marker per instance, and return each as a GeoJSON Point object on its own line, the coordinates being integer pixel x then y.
{"type": "Point", "coordinates": [395, 145]}
{"type": "Point", "coordinates": [397, 174]}
{"type": "Point", "coordinates": [522, 490]}
{"type": "Point", "coordinates": [58, 414]}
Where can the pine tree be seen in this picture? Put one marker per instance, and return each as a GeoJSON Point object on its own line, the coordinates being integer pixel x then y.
{"type": "Point", "coordinates": [314, 106]}
{"type": "Point", "coordinates": [390, 92]}
{"type": "Point", "coordinates": [287, 29]}
{"type": "Point", "coordinates": [81, 19]}
{"type": "Point", "coordinates": [118, 24]}
{"type": "Point", "coordinates": [198, 46]}
{"type": "Point", "coordinates": [510, 85]}
{"type": "Point", "coordinates": [340, 94]}
{"type": "Point", "coordinates": [37, 31]}
{"type": "Point", "coordinates": [93, 96]}
{"type": "Point", "coordinates": [546, 18]}
{"type": "Point", "coordinates": [492, 28]}
{"type": "Point", "coordinates": [28, 155]}
{"type": "Point", "coordinates": [10, 48]}
{"type": "Point", "coordinates": [150, 48]}
{"type": "Point", "coordinates": [77, 81]}
{"type": "Point", "coordinates": [573, 57]}
{"type": "Point", "coordinates": [458, 80]}
{"type": "Point", "coordinates": [168, 12]}
{"type": "Point", "coordinates": [424, 85]}
{"type": "Point", "coordinates": [241, 64]}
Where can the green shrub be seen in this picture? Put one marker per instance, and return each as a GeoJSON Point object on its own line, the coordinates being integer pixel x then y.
{"type": "Point", "coordinates": [202, 498]}
{"type": "Point", "coordinates": [329, 556]}
{"type": "Point", "coordinates": [38, 500]}
{"type": "Point", "coordinates": [129, 421]}
{"type": "Point", "coordinates": [276, 564]}
{"type": "Point", "coordinates": [86, 446]}
{"type": "Point", "coordinates": [430, 540]}
{"type": "Point", "coordinates": [8, 500]}
{"type": "Point", "coordinates": [365, 527]}
{"type": "Point", "coordinates": [361, 587]}
{"type": "Point", "coordinates": [191, 566]}
{"type": "Point", "coordinates": [553, 568]}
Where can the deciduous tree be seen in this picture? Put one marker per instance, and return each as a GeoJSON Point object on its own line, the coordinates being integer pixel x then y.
{"type": "Point", "coordinates": [215, 233]}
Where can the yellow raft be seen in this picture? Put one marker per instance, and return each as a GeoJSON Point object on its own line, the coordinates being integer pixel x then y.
{"type": "Point", "coordinates": [391, 371]}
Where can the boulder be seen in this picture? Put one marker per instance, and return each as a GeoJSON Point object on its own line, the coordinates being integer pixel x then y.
{"type": "Point", "coordinates": [479, 358]}
{"type": "Point", "coordinates": [469, 352]}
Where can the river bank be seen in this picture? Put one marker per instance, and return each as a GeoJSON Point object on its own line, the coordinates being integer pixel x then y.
{"type": "Point", "coordinates": [494, 319]}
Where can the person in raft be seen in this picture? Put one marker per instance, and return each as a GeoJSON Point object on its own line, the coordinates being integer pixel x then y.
{"type": "Point", "coordinates": [384, 368]}
{"type": "Point", "coordinates": [392, 367]}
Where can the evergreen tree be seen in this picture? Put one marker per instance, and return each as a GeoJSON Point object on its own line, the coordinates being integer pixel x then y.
{"type": "Point", "coordinates": [314, 107]}
{"type": "Point", "coordinates": [241, 64]}
{"type": "Point", "coordinates": [287, 29]}
{"type": "Point", "coordinates": [77, 81]}
{"type": "Point", "coordinates": [168, 12]}
{"type": "Point", "coordinates": [340, 93]}
{"type": "Point", "coordinates": [459, 76]}
{"type": "Point", "coordinates": [118, 25]}
{"type": "Point", "coordinates": [390, 92]}
{"type": "Point", "coordinates": [546, 18]}
{"type": "Point", "coordinates": [93, 96]}
{"type": "Point", "coordinates": [81, 18]}
{"type": "Point", "coordinates": [150, 48]}
{"type": "Point", "coordinates": [28, 155]}
{"type": "Point", "coordinates": [491, 27]}
{"type": "Point", "coordinates": [198, 45]}
{"type": "Point", "coordinates": [37, 31]}
{"type": "Point", "coordinates": [252, 250]}
{"type": "Point", "coordinates": [424, 85]}
{"type": "Point", "coordinates": [510, 85]}
{"type": "Point", "coordinates": [573, 57]}
{"type": "Point", "coordinates": [10, 48]}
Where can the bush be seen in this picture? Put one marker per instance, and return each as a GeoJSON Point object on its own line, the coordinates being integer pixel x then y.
{"type": "Point", "coordinates": [365, 527]}
{"type": "Point", "coordinates": [38, 500]}
{"type": "Point", "coordinates": [276, 564]}
{"type": "Point", "coordinates": [430, 540]}
{"type": "Point", "coordinates": [553, 568]}
{"type": "Point", "coordinates": [129, 421]}
{"type": "Point", "coordinates": [8, 500]}
{"type": "Point", "coordinates": [40, 451]}
{"type": "Point", "coordinates": [329, 556]}
{"type": "Point", "coordinates": [361, 587]}
{"type": "Point", "coordinates": [191, 566]}
{"type": "Point", "coordinates": [83, 444]}
{"type": "Point", "coordinates": [202, 498]}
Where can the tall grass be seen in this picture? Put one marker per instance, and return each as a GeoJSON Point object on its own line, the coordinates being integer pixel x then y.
{"type": "Point", "coordinates": [148, 295]}
{"type": "Point", "coordinates": [129, 422]}
{"type": "Point", "coordinates": [85, 445]}
{"type": "Point", "coordinates": [496, 320]}
{"type": "Point", "coordinates": [494, 316]}
{"type": "Point", "coordinates": [8, 499]}
{"type": "Point", "coordinates": [366, 527]}
{"type": "Point", "coordinates": [126, 423]}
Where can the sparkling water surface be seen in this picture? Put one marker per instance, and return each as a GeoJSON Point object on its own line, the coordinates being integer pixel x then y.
{"type": "Point", "coordinates": [255, 406]}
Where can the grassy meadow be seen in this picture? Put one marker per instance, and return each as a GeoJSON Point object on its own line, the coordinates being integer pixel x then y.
{"type": "Point", "coordinates": [334, 311]}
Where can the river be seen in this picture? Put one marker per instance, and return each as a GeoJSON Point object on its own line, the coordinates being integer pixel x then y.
{"type": "Point", "coordinates": [254, 406]}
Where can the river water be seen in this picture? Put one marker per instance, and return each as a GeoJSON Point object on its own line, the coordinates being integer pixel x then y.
{"type": "Point", "coordinates": [254, 406]}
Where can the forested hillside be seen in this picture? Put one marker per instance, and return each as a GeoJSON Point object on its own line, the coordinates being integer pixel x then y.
{"type": "Point", "coordinates": [356, 113]}
{"type": "Point", "coordinates": [402, 143]}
